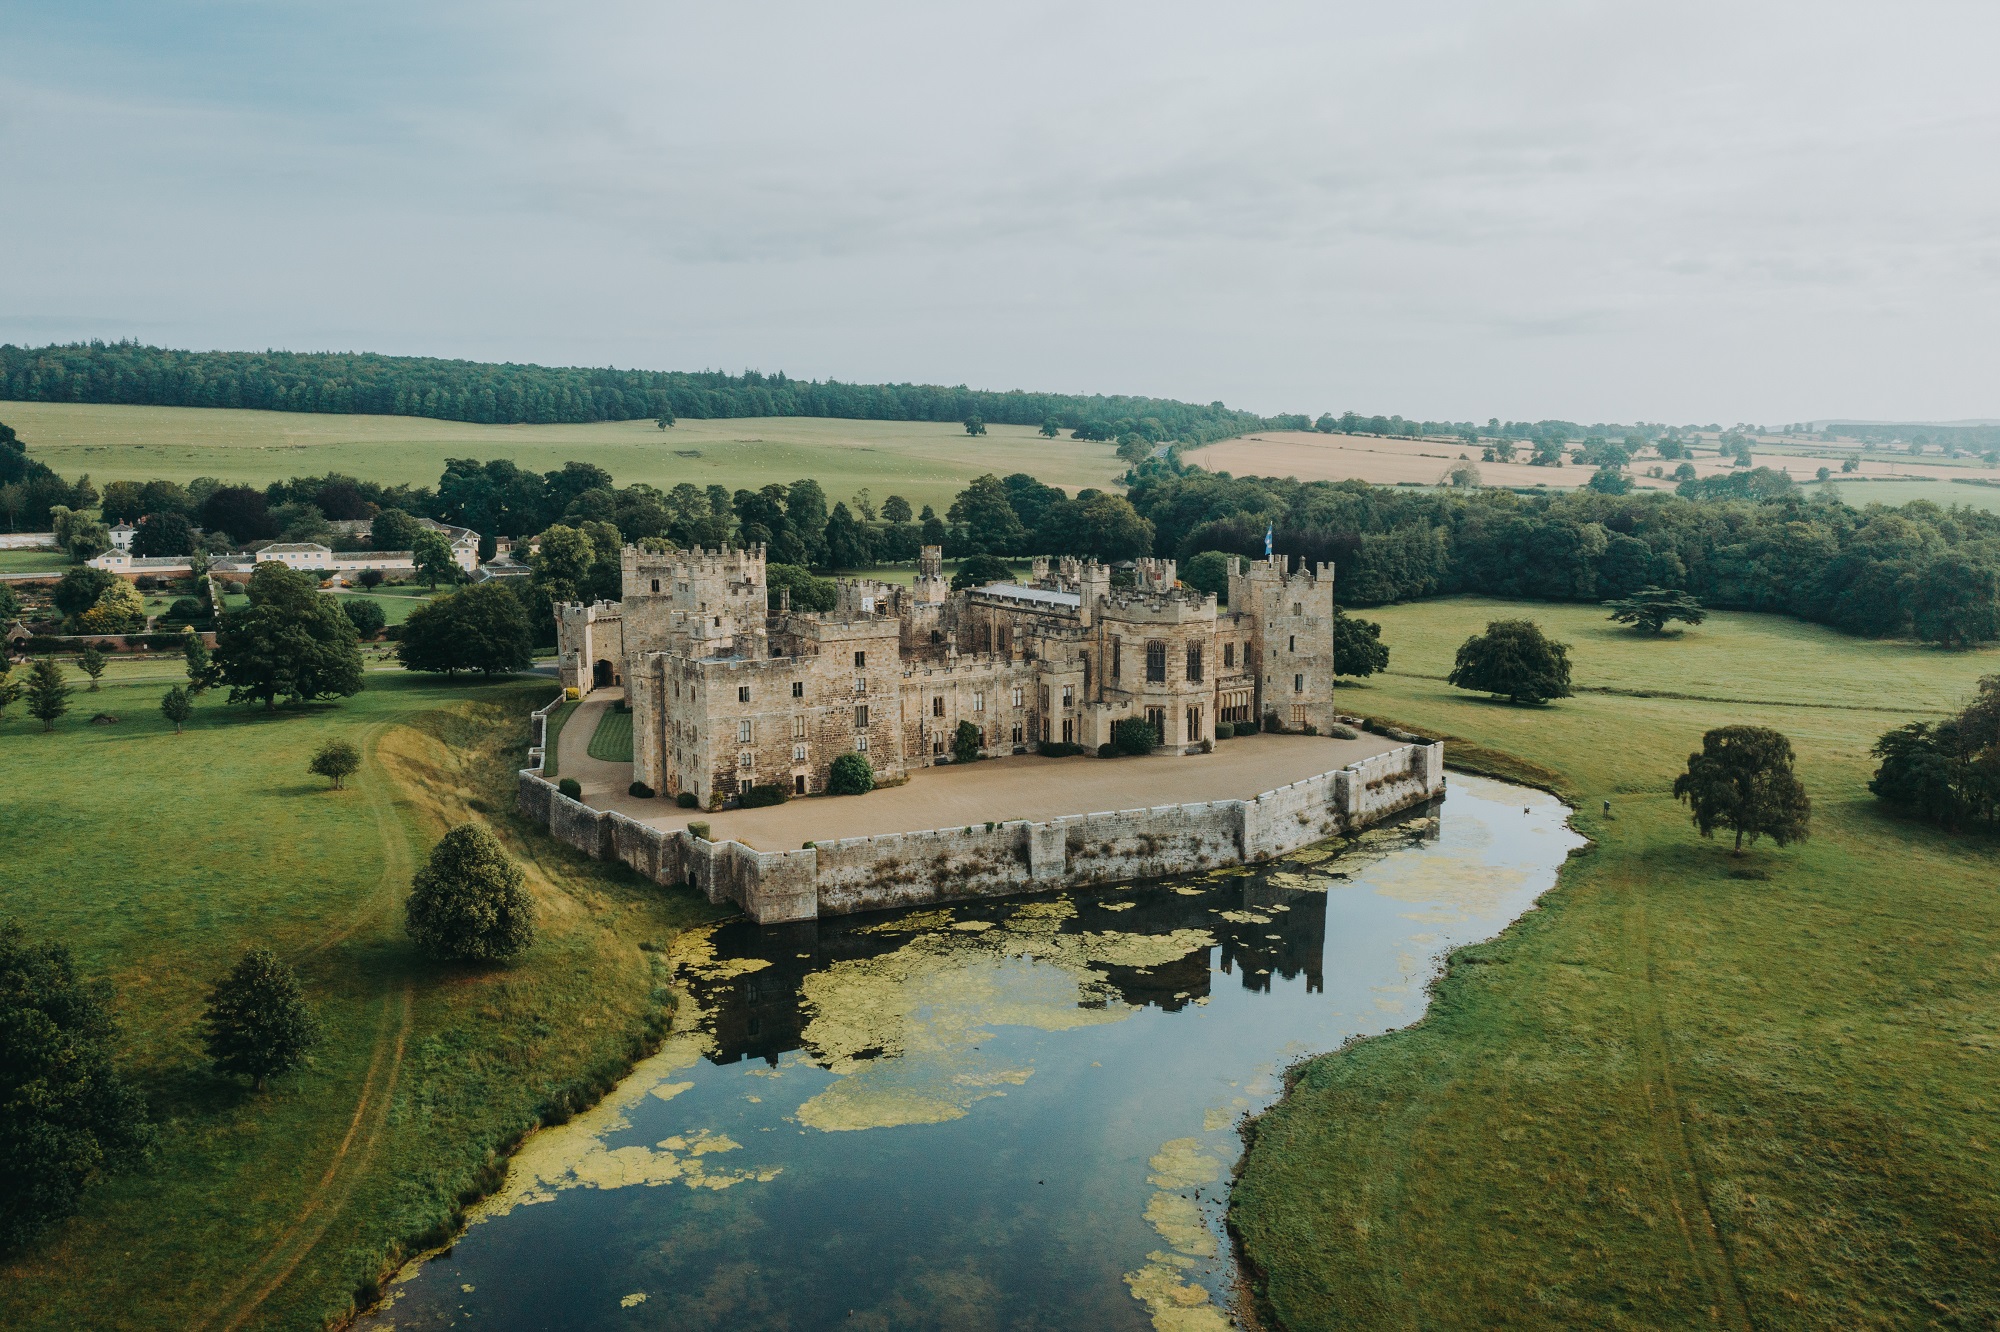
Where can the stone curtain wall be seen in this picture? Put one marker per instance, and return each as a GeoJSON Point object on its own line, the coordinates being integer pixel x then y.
{"type": "Point", "coordinates": [989, 860]}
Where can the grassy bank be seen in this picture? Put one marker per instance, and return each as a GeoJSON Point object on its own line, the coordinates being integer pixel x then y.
{"type": "Point", "coordinates": [927, 462]}
{"type": "Point", "coordinates": [1689, 1090]}
{"type": "Point", "coordinates": [158, 859]}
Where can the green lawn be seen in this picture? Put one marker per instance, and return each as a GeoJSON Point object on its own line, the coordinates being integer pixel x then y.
{"type": "Point", "coordinates": [159, 858]}
{"type": "Point", "coordinates": [926, 462]}
{"type": "Point", "coordinates": [33, 561]}
{"type": "Point", "coordinates": [612, 740]}
{"type": "Point", "coordinates": [397, 603]}
{"type": "Point", "coordinates": [1944, 494]}
{"type": "Point", "coordinates": [1689, 1091]}
{"type": "Point", "coordinates": [551, 730]}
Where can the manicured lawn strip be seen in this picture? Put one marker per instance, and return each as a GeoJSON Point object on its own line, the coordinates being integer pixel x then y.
{"type": "Point", "coordinates": [1688, 1091]}
{"type": "Point", "coordinates": [551, 729]}
{"type": "Point", "coordinates": [396, 605]}
{"type": "Point", "coordinates": [612, 740]}
{"type": "Point", "coordinates": [33, 561]}
{"type": "Point", "coordinates": [158, 859]}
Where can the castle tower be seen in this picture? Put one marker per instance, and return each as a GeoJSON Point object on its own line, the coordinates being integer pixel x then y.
{"type": "Point", "coordinates": [930, 587]}
{"type": "Point", "coordinates": [1291, 616]}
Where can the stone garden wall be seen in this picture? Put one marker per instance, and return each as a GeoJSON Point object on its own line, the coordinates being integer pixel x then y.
{"type": "Point", "coordinates": [852, 874]}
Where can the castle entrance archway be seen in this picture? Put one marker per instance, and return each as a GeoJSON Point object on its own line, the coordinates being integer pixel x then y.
{"type": "Point", "coordinates": [601, 675]}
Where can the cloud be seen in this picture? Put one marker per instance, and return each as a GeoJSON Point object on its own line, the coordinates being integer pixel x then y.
{"type": "Point", "coordinates": [1590, 210]}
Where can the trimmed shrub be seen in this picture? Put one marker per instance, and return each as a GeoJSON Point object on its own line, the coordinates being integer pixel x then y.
{"type": "Point", "coordinates": [1058, 749]}
{"type": "Point", "coordinates": [1106, 750]}
{"type": "Point", "coordinates": [468, 903]}
{"type": "Point", "coordinates": [1133, 735]}
{"type": "Point", "coordinates": [697, 828]}
{"type": "Point", "coordinates": [686, 800]}
{"type": "Point", "coordinates": [640, 789]}
{"type": "Point", "coordinates": [758, 797]}
{"type": "Point", "coordinates": [966, 743]}
{"type": "Point", "coordinates": [571, 787]}
{"type": "Point", "coordinates": [1271, 722]}
{"type": "Point", "coordinates": [851, 774]}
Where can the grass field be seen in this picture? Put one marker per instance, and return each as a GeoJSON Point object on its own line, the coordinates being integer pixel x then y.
{"type": "Point", "coordinates": [925, 462]}
{"type": "Point", "coordinates": [158, 859]}
{"type": "Point", "coordinates": [1944, 494]}
{"type": "Point", "coordinates": [612, 740]}
{"type": "Point", "coordinates": [33, 561]}
{"type": "Point", "coordinates": [1689, 1091]}
{"type": "Point", "coordinates": [550, 730]}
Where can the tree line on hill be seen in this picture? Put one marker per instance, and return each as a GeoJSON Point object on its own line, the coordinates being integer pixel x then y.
{"type": "Point", "coordinates": [369, 384]}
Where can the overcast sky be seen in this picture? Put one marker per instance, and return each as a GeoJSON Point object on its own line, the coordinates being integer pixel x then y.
{"type": "Point", "coordinates": [1680, 212]}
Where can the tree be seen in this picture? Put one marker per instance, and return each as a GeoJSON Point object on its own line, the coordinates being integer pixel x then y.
{"type": "Point", "coordinates": [991, 526]}
{"type": "Point", "coordinates": [979, 571]}
{"type": "Point", "coordinates": [1462, 475]}
{"type": "Point", "coordinates": [1742, 780]}
{"type": "Point", "coordinates": [257, 1023]}
{"type": "Point", "coordinates": [1358, 648]}
{"type": "Point", "coordinates": [393, 529]}
{"type": "Point", "coordinates": [241, 512]}
{"type": "Point", "coordinates": [809, 592]}
{"type": "Point", "coordinates": [48, 693]}
{"type": "Point", "coordinates": [119, 610]}
{"type": "Point", "coordinates": [1051, 428]}
{"type": "Point", "coordinates": [1956, 601]}
{"type": "Point", "coordinates": [201, 670]}
{"type": "Point", "coordinates": [10, 605]}
{"type": "Point", "coordinates": [65, 1114]}
{"type": "Point", "coordinates": [1111, 529]}
{"type": "Point", "coordinates": [366, 616]}
{"type": "Point", "coordinates": [483, 628]}
{"type": "Point", "coordinates": [468, 903]}
{"type": "Point", "coordinates": [163, 534]}
{"type": "Point", "coordinates": [291, 642]}
{"type": "Point", "coordinates": [177, 706]}
{"type": "Point", "coordinates": [1947, 772]}
{"type": "Point", "coordinates": [1513, 660]}
{"type": "Point", "coordinates": [562, 562]}
{"type": "Point", "coordinates": [848, 543]}
{"type": "Point", "coordinates": [435, 562]}
{"type": "Point", "coordinates": [78, 590]}
{"type": "Point", "coordinates": [966, 742]}
{"type": "Point", "coordinates": [1208, 572]}
{"type": "Point", "coordinates": [896, 509]}
{"type": "Point", "coordinates": [335, 760]}
{"type": "Point", "coordinates": [10, 688]}
{"type": "Point", "coordinates": [974, 426]}
{"type": "Point", "coordinates": [78, 533]}
{"type": "Point", "coordinates": [665, 420]}
{"type": "Point", "coordinates": [850, 774]}
{"type": "Point", "coordinates": [1609, 481]}
{"type": "Point", "coordinates": [1651, 608]}
{"type": "Point", "coordinates": [91, 662]}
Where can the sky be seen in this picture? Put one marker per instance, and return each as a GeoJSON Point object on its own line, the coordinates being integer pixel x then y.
{"type": "Point", "coordinates": [1635, 211]}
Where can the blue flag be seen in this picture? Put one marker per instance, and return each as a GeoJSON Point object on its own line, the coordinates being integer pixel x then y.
{"type": "Point", "coordinates": [1267, 541]}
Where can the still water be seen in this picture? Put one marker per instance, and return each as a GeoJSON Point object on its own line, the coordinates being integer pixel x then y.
{"type": "Point", "coordinates": [1008, 1114]}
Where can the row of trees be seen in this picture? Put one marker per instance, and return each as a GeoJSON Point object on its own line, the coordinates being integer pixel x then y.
{"type": "Point", "coordinates": [126, 372]}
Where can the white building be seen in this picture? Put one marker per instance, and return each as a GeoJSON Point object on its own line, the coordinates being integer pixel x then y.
{"type": "Point", "coordinates": [121, 536]}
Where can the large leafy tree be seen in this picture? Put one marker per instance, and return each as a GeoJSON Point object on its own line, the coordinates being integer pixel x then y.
{"type": "Point", "coordinates": [241, 512]}
{"type": "Point", "coordinates": [433, 557]}
{"type": "Point", "coordinates": [1742, 780]}
{"type": "Point", "coordinates": [1947, 771]}
{"type": "Point", "coordinates": [979, 571]}
{"type": "Point", "coordinates": [809, 591]}
{"type": "Point", "coordinates": [468, 903]}
{"type": "Point", "coordinates": [292, 642]}
{"type": "Point", "coordinates": [257, 1023]}
{"type": "Point", "coordinates": [65, 1115]}
{"type": "Point", "coordinates": [1955, 601]}
{"type": "Point", "coordinates": [1514, 660]}
{"type": "Point", "coordinates": [1650, 609]}
{"type": "Point", "coordinates": [78, 589]}
{"type": "Point", "coordinates": [1358, 648]}
{"type": "Point", "coordinates": [847, 543]}
{"type": "Point", "coordinates": [562, 563]}
{"type": "Point", "coordinates": [163, 534]}
{"type": "Point", "coordinates": [394, 530]}
{"type": "Point", "coordinates": [983, 511]}
{"type": "Point", "coordinates": [482, 628]}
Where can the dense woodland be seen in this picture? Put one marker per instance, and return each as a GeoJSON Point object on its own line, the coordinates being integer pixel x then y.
{"type": "Point", "coordinates": [368, 384]}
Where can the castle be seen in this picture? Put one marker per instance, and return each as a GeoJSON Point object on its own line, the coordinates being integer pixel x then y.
{"type": "Point", "coordinates": [728, 693]}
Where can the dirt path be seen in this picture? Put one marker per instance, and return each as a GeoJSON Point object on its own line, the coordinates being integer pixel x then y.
{"type": "Point", "coordinates": [349, 1162]}
{"type": "Point", "coordinates": [1687, 1187]}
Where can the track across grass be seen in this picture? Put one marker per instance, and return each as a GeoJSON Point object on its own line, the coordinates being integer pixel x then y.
{"type": "Point", "coordinates": [159, 858]}
{"type": "Point", "coordinates": [1689, 1090]}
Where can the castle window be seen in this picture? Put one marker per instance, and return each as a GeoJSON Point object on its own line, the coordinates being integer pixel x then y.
{"type": "Point", "coordinates": [798, 689]}
{"type": "Point", "coordinates": [861, 743]}
{"type": "Point", "coordinates": [798, 753]}
{"type": "Point", "coordinates": [1194, 661]}
{"type": "Point", "coordinates": [656, 584]}
{"type": "Point", "coordinates": [1017, 696]}
{"type": "Point", "coordinates": [744, 732]}
{"type": "Point", "coordinates": [936, 637]}
{"type": "Point", "coordinates": [1069, 731]}
{"type": "Point", "coordinates": [861, 717]}
{"type": "Point", "coordinates": [1117, 658]}
{"type": "Point", "coordinates": [1297, 609]}
{"type": "Point", "coordinates": [1193, 724]}
{"type": "Point", "coordinates": [985, 638]}
{"type": "Point", "coordinates": [979, 702]}
{"type": "Point", "coordinates": [742, 693]}
{"type": "Point", "coordinates": [1017, 733]}
{"type": "Point", "coordinates": [1298, 684]}
{"type": "Point", "coordinates": [937, 705]}
{"type": "Point", "coordinates": [860, 661]}
{"type": "Point", "coordinates": [860, 684]}
{"type": "Point", "coordinates": [798, 728]}
{"type": "Point", "coordinates": [718, 621]}
{"type": "Point", "coordinates": [1229, 656]}
{"type": "Point", "coordinates": [1069, 701]}
{"type": "Point", "coordinates": [746, 760]}
{"type": "Point", "coordinates": [1156, 662]}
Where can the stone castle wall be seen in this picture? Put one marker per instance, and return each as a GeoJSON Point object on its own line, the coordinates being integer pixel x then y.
{"type": "Point", "coordinates": [996, 859]}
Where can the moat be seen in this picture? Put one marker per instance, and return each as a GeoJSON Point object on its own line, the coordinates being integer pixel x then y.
{"type": "Point", "coordinates": [1012, 1113]}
